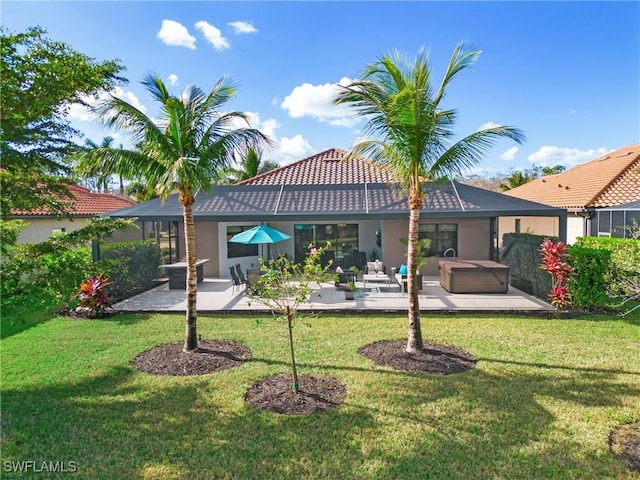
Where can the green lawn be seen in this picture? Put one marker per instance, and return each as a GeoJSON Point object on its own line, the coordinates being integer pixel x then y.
{"type": "Point", "coordinates": [539, 405]}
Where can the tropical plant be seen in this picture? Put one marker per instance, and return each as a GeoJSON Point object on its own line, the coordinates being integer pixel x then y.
{"type": "Point", "coordinates": [554, 261]}
{"type": "Point", "coordinates": [350, 286]}
{"type": "Point", "coordinates": [517, 179]}
{"type": "Point", "coordinates": [284, 286]}
{"type": "Point", "coordinates": [185, 149]}
{"type": "Point", "coordinates": [101, 182]}
{"type": "Point", "coordinates": [422, 249]}
{"type": "Point", "coordinates": [410, 131]}
{"type": "Point", "coordinates": [92, 297]}
{"type": "Point", "coordinates": [249, 165]}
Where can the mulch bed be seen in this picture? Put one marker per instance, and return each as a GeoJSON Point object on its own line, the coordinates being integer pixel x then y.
{"type": "Point", "coordinates": [211, 356]}
{"type": "Point", "coordinates": [316, 394]}
{"type": "Point", "coordinates": [625, 444]}
{"type": "Point", "coordinates": [434, 359]}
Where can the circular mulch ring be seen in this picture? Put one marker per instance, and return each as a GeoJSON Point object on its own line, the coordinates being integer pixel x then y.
{"type": "Point", "coordinates": [316, 394]}
{"type": "Point", "coordinates": [434, 359]}
{"type": "Point", "coordinates": [211, 356]}
{"type": "Point", "coordinates": [625, 444]}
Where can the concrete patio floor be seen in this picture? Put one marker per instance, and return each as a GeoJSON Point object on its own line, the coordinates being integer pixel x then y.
{"type": "Point", "coordinates": [217, 295]}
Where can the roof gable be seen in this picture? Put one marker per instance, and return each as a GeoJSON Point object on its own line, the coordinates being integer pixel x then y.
{"type": "Point", "coordinates": [609, 180]}
{"type": "Point", "coordinates": [325, 168]}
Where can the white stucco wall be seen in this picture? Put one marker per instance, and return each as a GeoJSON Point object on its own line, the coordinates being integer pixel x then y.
{"type": "Point", "coordinates": [39, 229]}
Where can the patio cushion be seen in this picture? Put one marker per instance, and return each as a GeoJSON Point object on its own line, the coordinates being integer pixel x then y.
{"type": "Point", "coordinates": [402, 270]}
{"type": "Point", "coordinates": [371, 267]}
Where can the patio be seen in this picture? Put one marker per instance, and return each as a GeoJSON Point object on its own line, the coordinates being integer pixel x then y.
{"type": "Point", "coordinates": [217, 295]}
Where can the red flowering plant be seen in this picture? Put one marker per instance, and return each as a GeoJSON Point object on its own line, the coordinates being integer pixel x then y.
{"type": "Point", "coordinates": [554, 256]}
{"type": "Point", "coordinates": [92, 296]}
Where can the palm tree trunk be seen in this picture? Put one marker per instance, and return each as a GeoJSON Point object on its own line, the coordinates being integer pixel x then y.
{"type": "Point", "coordinates": [191, 338]}
{"type": "Point", "coordinates": [414, 341]}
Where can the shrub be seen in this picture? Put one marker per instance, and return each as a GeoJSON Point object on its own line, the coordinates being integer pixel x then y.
{"type": "Point", "coordinates": [554, 256]}
{"type": "Point", "coordinates": [93, 300]}
{"type": "Point", "coordinates": [43, 281]}
{"type": "Point", "coordinates": [590, 279]}
{"type": "Point", "coordinates": [623, 276]}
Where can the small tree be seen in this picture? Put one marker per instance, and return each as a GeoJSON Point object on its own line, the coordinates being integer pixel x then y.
{"type": "Point", "coordinates": [284, 286]}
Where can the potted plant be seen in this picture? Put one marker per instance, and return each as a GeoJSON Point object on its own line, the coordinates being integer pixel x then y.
{"type": "Point", "coordinates": [349, 289]}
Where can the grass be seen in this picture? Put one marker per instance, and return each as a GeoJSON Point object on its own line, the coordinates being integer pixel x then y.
{"type": "Point", "coordinates": [540, 404]}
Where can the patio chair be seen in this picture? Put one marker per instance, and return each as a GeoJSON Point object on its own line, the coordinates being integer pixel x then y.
{"type": "Point", "coordinates": [235, 279]}
{"type": "Point", "coordinates": [240, 273]}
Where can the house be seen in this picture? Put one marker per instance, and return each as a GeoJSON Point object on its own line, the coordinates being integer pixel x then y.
{"type": "Point", "coordinates": [84, 205]}
{"type": "Point", "coordinates": [352, 204]}
{"type": "Point", "coordinates": [586, 192]}
{"type": "Point", "coordinates": [619, 221]}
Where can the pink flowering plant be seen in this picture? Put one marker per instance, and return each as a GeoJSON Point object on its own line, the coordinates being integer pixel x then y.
{"type": "Point", "coordinates": [284, 286]}
{"type": "Point", "coordinates": [93, 299]}
{"type": "Point", "coordinates": [554, 260]}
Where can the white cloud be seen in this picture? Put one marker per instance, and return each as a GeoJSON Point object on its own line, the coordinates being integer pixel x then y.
{"type": "Point", "coordinates": [286, 149]}
{"type": "Point", "coordinates": [172, 79]}
{"type": "Point", "coordinates": [213, 35]}
{"type": "Point", "coordinates": [550, 156]}
{"type": "Point", "coordinates": [509, 154]}
{"type": "Point", "coordinates": [268, 126]}
{"type": "Point", "coordinates": [292, 149]}
{"type": "Point", "coordinates": [484, 126]}
{"type": "Point", "coordinates": [129, 97]}
{"type": "Point", "coordinates": [243, 27]}
{"type": "Point", "coordinates": [315, 101]}
{"type": "Point", "coordinates": [82, 113]}
{"type": "Point", "coordinates": [176, 34]}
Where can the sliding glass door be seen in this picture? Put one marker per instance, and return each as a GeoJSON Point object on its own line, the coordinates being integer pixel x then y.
{"type": "Point", "coordinates": [342, 236]}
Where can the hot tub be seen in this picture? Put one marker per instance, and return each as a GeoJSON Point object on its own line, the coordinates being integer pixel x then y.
{"type": "Point", "coordinates": [473, 276]}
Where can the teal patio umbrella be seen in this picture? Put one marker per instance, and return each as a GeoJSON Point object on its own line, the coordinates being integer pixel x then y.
{"type": "Point", "coordinates": [260, 234]}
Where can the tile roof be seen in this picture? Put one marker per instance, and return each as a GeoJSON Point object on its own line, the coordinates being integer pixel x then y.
{"type": "Point", "coordinates": [612, 179]}
{"type": "Point", "coordinates": [324, 168]}
{"type": "Point", "coordinates": [341, 201]}
{"type": "Point", "coordinates": [85, 204]}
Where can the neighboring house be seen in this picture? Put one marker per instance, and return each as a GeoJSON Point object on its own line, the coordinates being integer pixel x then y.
{"type": "Point", "coordinates": [84, 205]}
{"type": "Point", "coordinates": [583, 191]}
{"type": "Point", "coordinates": [621, 221]}
{"type": "Point", "coordinates": [349, 203]}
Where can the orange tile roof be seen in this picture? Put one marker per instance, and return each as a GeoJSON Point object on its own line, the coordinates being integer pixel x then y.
{"type": "Point", "coordinates": [85, 204]}
{"type": "Point", "coordinates": [324, 168]}
{"type": "Point", "coordinates": [612, 179]}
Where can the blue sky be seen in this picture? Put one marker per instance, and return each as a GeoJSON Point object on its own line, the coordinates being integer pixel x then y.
{"type": "Point", "coordinates": [566, 73]}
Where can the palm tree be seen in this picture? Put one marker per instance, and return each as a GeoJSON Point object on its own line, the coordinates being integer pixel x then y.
{"type": "Point", "coordinates": [249, 165]}
{"type": "Point", "coordinates": [411, 132]}
{"type": "Point", "coordinates": [183, 149]}
{"type": "Point", "coordinates": [517, 179]}
{"type": "Point", "coordinates": [100, 180]}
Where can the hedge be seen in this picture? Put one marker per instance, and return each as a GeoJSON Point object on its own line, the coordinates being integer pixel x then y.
{"type": "Point", "coordinates": [132, 267]}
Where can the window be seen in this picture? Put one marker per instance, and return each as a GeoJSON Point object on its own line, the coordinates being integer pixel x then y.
{"type": "Point", "coordinates": [518, 225]}
{"type": "Point", "coordinates": [617, 224]}
{"type": "Point", "coordinates": [235, 250]}
{"type": "Point", "coordinates": [342, 236]}
{"type": "Point", "coordinates": [604, 223]}
{"type": "Point", "coordinates": [166, 235]}
{"type": "Point", "coordinates": [58, 230]}
{"type": "Point", "coordinates": [442, 235]}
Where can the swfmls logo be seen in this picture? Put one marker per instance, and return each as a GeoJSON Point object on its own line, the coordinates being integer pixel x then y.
{"type": "Point", "coordinates": [24, 466]}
